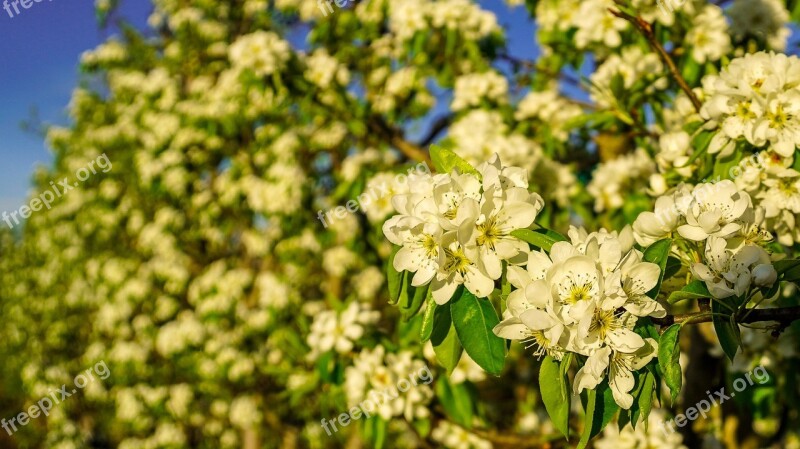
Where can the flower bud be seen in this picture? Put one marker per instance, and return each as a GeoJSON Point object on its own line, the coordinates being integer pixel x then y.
{"type": "Point", "coordinates": [764, 275]}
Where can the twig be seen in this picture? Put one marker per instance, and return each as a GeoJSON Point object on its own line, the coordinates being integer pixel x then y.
{"type": "Point", "coordinates": [396, 139]}
{"type": "Point", "coordinates": [784, 316]}
{"type": "Point", "coordinates": [647, 31]}
{"type": "Point", "coordinates": [530, 65]}
{"type": "Point", "coordinates": [438, 126]}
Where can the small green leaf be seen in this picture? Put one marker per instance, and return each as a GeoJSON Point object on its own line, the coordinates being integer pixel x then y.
{"type": "Point", "coordinates": [588, 423]}
{"type": "Point", "coordinates": [394, 278]}
{"type": "Point", "coordinates": [669, 353]}
{"type": "Point", "coordinates": [645, 387]}
{"type": "Point", "coordinates": [695, 290]}
{"type": "Point", "coordinates": [555, 391]}
{"type": "Point", "coordinates": [448, 351]}
{"type": "Point", "coordinates": [600, 410]}
{"type": "Point", "coordinates": [456, 401]}
{"type": "Point", "coordinates": [790, 269]}
{"type": "Point", "coordinates": [412, 307]}
{"type": "Point", "coordinates": [723, 166]}
{"type": "Point", "coordinates": [541, 238]}
{"type": "Point", "coordinates": [474, 320]}
{"type": "Point", "coordinates": [658, 253]}
{"type": "Point", "coordinates": [427, 320]}
{"type": "Point", "coordinates": [445, 160]}
{"type": "Point", "coordinates": [672, 268]}
{"type": "Point", "coordinates": [727, 330]}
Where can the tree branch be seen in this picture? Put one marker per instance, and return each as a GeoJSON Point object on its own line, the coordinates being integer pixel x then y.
{"type": "Point", "coordinates": [784, 316]}
{"type": "Point", "coordinates": [395, 137]}
{"type": "Point", "coordinates": [647, 31]}
{"type": "Point", "coordinates": [438, 126]}
{"type": "Point", "coordinates": [530, 65]}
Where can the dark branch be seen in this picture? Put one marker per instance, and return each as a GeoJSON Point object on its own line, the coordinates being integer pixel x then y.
{"type": "Point", "coordinates": [783, 316]}
{"type": "Point", "coordinates": [438, 126]}
{"type": "Point", "coordinates": [647, 31]}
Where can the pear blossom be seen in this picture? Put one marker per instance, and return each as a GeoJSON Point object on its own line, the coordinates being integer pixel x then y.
{"type": "Point", "coordinates": [716, 209]}
{"type": "Point", "coordinates": [455, 228]}
{"type": "Point", "coordinates": [339, 331]}
{"type": "Point", "coordinates": [730, 271]}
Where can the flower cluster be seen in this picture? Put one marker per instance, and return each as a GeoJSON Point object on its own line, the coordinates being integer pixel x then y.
{"type": "Point", "coordinates": [377, 375]}
{"type": "Point", "coordinates": [585, 297]}
{"type": "Point", "coordinates": [755, 98]}
{"type": "Point", "coordinates": [633, 65]}
{"type": "Point", "coordinates": [339, 331]}
{"type": "Point", "coordinates": [723, 228]}
{"type": "Point", "coordinates": [456, 228]}
{"type": "Point", "coordinates": [775, 187]}
{"type": "Point", "coordinates": [613, 180]}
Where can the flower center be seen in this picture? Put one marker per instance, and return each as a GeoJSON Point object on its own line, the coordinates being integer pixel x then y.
{"type": "Point", "coordinates": [456, 261]}
{"type": "Point", "coordinates": [603, 322]}
{"type": "Point", "coordinates": [489, 233]}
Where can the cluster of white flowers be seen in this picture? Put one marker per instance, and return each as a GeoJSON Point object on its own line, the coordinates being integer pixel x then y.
{"type": "Point", "coordinates": [465, 370]}
{"type": "Point", "coordinates": [755, 98]}
{"type": "Point", "coordinates": [585, 298]}
{"type": "Point", "coordinates": [764, 19]}
{"type": "Point", "coordinates": [324, 69]}
{"type": "Point", "coordinates": [653, 434]}
{"type": "Point", "coordinates": [633, 65]}
{"type": "Point", "coordinates": [263, 52]}
{"type": "Point", "coordinates": [409, 17]}
{"type": "Point", "coordinates": [721, 218]}
{"type": "Point", "coordinates": [550, 108]}
{"type": "Point", "coordinates": [709, 36]}
{"type": "Point", "coordinates": [456, 228]}
{"type": "Point", "coordinates": [472, 89]}
{"type": "Point", "coordinates": [596, 24]}
{"type": "Point", "coordinates": [774, 187]}
{"type": "Point", "coordinates": [613, 181]}
{"type": "Point", "coordinates": [377, 376]}
{"type": "Point", "coordinates": [452, 436]}
{"type": "Point", "coordinates": [481, 133]}
{"type": "Point", "coordinates": [339, 331]}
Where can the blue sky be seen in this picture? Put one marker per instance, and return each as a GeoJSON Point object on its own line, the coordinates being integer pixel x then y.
{"type": "Point", "coordinates": [39, 53]}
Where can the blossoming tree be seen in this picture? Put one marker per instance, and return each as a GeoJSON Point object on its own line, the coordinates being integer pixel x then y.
{"type": "Point", "coordinates": [371, 224]}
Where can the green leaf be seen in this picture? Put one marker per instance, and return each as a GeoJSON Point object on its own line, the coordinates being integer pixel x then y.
{"type": "Point", "coordinates": [448, 351]}
{"type": "Point", "coordinates": [427, 320]}
{"type": "Point", "coordinates": [393, 277]}
{"type": "Point", "coordinates": [669, 353]}
{"type": "Point", "coordinates": [375, 431]}
{"type": "Point", "coordinates": [474, 320]}
{"type": "Point", "coordinates": [658, 253]}
{"type": "Point", "coordinates": [555, 391]}
{"type": "Point", "coordinates": [456, 401]}
{"type": "Point", "coordinates": [672, 268]}
{"type": "Point", "coordinates": [445, 160]}
{"type": "Point", "coordinates": [694, 290]}
{"type": "Point", "coordinates": [644, 399]}
{"type": "Point", "coordinates": [600, 409]}
{"type": "Point", "coordinates": [541, 238]}
{"type": "Point", "coordinates": [723, 166]}
{"type": "Point", "coordinates": [790, 269]}
{"type": "Point", "coordinates": [589, 421]}
{"type": "Point", "coordinates": [407, 292]}
{"type": "Point", "coordinates": [411, 307]}
{"type": "Point", "coordinates": [727, 331]}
